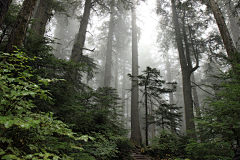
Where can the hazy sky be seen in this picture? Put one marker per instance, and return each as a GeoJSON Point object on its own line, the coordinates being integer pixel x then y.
{"type": "Point", "coordinates": [147, 21]}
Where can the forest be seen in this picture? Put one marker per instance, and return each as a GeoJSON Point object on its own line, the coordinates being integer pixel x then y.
{"type": "Point", "coordinates": [119, 79]}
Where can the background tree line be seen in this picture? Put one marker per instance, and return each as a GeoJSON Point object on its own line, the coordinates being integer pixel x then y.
{"type": "Point", "coordinates": [65, 85]}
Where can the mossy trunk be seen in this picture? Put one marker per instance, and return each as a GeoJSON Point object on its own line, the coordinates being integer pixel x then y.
{"type": "Point", "coordinates": [77, 50]}
{"type": "Point", "coordinates": [4, 5]}
{"type": "Point", "coordinates": [227, 40]}
{"type": "Point", "coordinates": [20, 27]}
{"type": "Point", "coordinates": [43, 14]}
{"type": "Point", "coordinates": [186, 67]}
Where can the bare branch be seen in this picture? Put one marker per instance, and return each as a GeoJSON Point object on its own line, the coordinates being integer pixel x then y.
{"type": "Point", "coordinates": [91, 50]}
{"type": "Point", "coordinates": [201, 88]}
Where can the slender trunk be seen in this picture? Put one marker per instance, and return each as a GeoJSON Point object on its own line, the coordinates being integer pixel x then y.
{"type": "Point", "coordinates": [186, 73]}
{"type": "Point", "coordinates": [195, 96]}
{"type": "Point", "coordinates": [135, 126]}
{"type": "Point", "coordinates": [153, 125]}
{"type": "Point", "coordinates": [234, 28]}
{"type": "Point", "coordinates": [124, 87]}
{"type": "Point", "coordinates": [20, 27]}
{"type": "Point", "coordinates": [227, 40]}
{"type": "Point", "coordinates": [79, 44]}
{"type": "Point", "coordinates": [146, 114]}
{"type": "Point", "coordinates": [43, 14]}
{"type": "Point", "coordinates": [116, 73]}
{"type": "Point", "coordinates": [4, 6]}
{"type": "Point", "coordinates": [77, 50]}
{"type": "Point", "coordinates": [169, 79]}
{"type": "Point", "coordinates": [108, 64]}
{"type": "Point", "coordinates": [59, 34]}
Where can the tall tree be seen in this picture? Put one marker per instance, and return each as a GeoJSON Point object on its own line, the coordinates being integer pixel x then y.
{"type": "Point", "coordinates": [169, 79]}
{"type": "Point", "coordinates": [187, 69]}
{"type": "Point", "coordinates": [195, 96]}
{"type": "Point", "coordinates": [108, 64]}
{"type": "Point", "coordinates": [227, 40]}
{"type": "Point", "coordinates": [19, 30]}
{"type": "Point", "coordinates": [234, 28]}
{"type": "Point", "coordinates": [43, 14]}
{"type": "Point", "coordinates": [4, 5]}
{"type": "Point", "coordinates": [135, 126]}
{"type": "Point", "coordinates": [77, 50]}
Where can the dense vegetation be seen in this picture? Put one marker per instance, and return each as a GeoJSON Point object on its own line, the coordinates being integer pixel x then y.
{"type": "Point", "coordinates": [61, 100]}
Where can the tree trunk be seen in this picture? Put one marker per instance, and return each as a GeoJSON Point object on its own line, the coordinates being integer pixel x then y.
{"type": "Point", "coordinates": [4, 5]}
{"type": "Point", "coordinates": [186, 73]}
{"type": "Point", "coordinates": [77, 50]}
{"type": "Point", "coordinates": [116, 72]}
{"type": "Point", "coordinates": [20, 27]}
{"type": "Point", "coordinates": [135, 126]}
{"type": "Point", "coordinates": [227, 40]}
{"type": "Point", "coordinates": [169, 79]}
{"type": "Point", "coordinates": [153, 125]}
{"type": "Point", "coordinates": [123, 88]}
{"type": "Point", "coordinates": [43, 14]}
{"type": "Point", "coordinates": [108, 64]}
{"type": "Point", "coordinates": [146, 113]}
{"type": "Point", "coordinates": [195, 96]}
{"type": "Point", "coordinates": [234, 28]}
{"type": "Point", "coordinates": [81, 36]}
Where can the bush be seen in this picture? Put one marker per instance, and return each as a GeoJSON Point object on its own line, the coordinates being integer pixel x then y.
{"type": "Point", "coordinates": [25, 134]}
{"type": "Point", "coordinates": [167, 145]}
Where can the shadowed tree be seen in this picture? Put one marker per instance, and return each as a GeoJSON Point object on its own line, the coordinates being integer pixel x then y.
{"type": "Point", "coordinates": [20, 27]}
{"type": "Point", "coordinates": [227, 40]}
{"type": "Point", "coordinates": [186, 66]}
{"type": "Point", "coordinates": [4, 5]}
{"type": "Point", "coordinates": [77, 50]}
{"type": "Point", "coordinates": [108, 64]}
{"type": "Point", "coordinates": [135, 126]}
{"type": "Point", "coordinates": [43, 14]}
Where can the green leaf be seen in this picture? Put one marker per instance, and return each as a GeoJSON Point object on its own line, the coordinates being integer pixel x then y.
{"type": "Point", "coordinates": [30, 156]}
{"type": "Point", "coordinates": [2, 152]}
{"type": "Point", "coordinates": [8, 123]}
{"type": "Point", "coordinates": [9, 157]}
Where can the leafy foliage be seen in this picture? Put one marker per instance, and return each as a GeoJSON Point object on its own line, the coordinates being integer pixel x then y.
{"type": "Point", "coordinates": [167, 146]}
{"type": "Point", "coordinates": [26, 134]}
{"type": "Point", "coordinates": [219, 127]}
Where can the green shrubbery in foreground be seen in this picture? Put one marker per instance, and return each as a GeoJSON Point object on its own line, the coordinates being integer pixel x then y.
{"type": "Point", "coordinates": [27, 133]}
{"type": "Point", "coordinates": [218, 132]}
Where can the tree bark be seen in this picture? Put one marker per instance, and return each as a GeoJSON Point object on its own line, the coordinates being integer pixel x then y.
{"type": "Point", "coordinates": [146, 110]}
{"type": "Point", "coordinates": [43, 14]}
{"type": "Point", "coordinates": [123, 88]}
{"type": "Point", "coordinates": [108, 64]}
{"type": "Point", "coordinates": [4, 6]}
{"type": "Point", "coordinates": [227, 40]}
{"type": "Point", "coordinates": [186, 73]}
{"type": "Point", "coordinates": [135, 126]}
{"type": "Point", "coordinates": [20, 27]}
{"type": "Point", "coordinates": [77, 50]}
{"type": "Point", "coordinates": [234, 28]}
{"type": "Point", "coordinates": [116, 72]}
{"type": "Point", "coordinates": [195, 96]}
{"type": "Point", "coordinates": [80, 41]}
{"type": "Point", "coordinates": [169, 79]}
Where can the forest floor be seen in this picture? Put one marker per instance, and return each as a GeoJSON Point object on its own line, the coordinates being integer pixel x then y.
{"type": "Point", "coordinates": [137, 155]}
